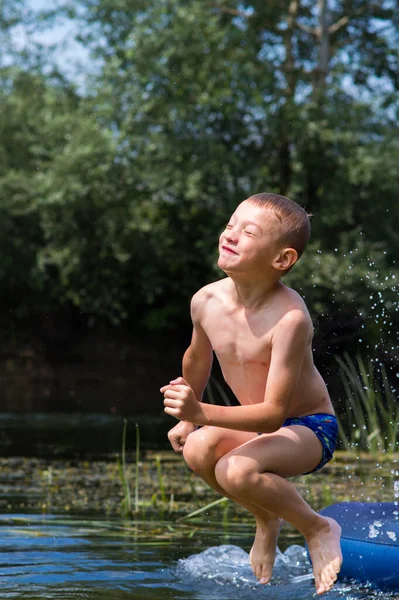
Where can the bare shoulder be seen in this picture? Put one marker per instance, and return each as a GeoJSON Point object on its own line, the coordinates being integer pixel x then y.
{"type": "Point", "coordinates": [206, 298]}
{"type": "Point", "coordinates": [294, 314]}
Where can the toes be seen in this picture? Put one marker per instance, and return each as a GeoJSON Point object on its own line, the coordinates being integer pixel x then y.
{"type": "Point", "coordinates": [331, 574]}
{"type": "Point", "coordinates": [320, 590]}
{"type": "Point", "coordinates": [265, 575]}
{"type": "Point", "coordinates": [326, 580]}
{"type": "Point", "coordinates": [319, 585]}
{"type": "Point", "coordinates": [262, 573]}
{"type": "Point", "coordinates": [326, 576]}
{"type": "Point", "coordinates": [336, 564]}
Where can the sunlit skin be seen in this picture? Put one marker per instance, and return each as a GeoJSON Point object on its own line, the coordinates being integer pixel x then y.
{"type": "Point", "coordinates": [261, 333]}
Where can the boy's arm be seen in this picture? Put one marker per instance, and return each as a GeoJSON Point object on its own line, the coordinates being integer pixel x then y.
{"type": "Point", "coordinates": [289, 345]}
{"type": "Point", "coordinates": [198, 358]}
{"type": "Point", "coordinates": [197, 365]}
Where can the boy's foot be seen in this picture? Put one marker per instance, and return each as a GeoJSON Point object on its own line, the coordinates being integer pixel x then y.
{"type": "Point", "coordinates": [325, 552]}
{"type": "Point", "coordinates": [263, 551]}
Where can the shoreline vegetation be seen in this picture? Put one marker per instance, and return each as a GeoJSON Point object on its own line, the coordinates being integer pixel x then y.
{"type": "Point", "coordinates": [164, 488]}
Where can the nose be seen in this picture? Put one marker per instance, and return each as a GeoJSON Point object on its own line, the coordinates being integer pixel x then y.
{"type": "Point", "coordinates": [231, 235]}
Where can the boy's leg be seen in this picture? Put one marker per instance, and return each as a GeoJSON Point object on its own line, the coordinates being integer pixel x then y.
{"type": "Point", "coordinates": [256, 472]}
{"type": "Point", "coordinates": [202, 451]}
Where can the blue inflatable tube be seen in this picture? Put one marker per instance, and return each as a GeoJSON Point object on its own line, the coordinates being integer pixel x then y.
{"type": "Point", "coordinates": [370, 541]}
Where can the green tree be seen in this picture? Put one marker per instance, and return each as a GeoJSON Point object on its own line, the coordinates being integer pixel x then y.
{"type": "Point", "coordinates": [188, 108]}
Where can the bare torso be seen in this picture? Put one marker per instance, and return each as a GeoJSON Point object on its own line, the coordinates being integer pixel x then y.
{"type": "Point", "coordinates": [242, 342]}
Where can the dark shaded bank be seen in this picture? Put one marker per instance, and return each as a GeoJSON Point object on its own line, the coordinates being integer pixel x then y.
{"type": "Point", "coordinates": [61, 364]}
{"type": "Point", "coordinates": [79, 435]}
{"type": "Point", "coordinates": [64, 362]}
{"type": "Point", "coordinates": [69, 364]}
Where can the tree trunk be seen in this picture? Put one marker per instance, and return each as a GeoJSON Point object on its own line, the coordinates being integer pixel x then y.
{"type": "Point", "coordinates": [288, 94]}
{"type": "Point", "coordinates": [323, 41]}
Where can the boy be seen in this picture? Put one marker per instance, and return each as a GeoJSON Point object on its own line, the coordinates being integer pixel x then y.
{"type": "Point", "coordinates": [261, 333]}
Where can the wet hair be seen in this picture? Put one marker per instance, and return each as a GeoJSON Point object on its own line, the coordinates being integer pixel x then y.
{"type": "Point", "coordinates": [294, 219]}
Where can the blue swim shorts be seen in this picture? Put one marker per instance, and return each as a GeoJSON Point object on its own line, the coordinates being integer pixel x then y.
{"type": "Point", "coordinates": [325, 427]}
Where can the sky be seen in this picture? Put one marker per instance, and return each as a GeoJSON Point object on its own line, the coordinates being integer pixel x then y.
{"type": "Point", "coordinates": [72, 55]}
{"type": "Point", "coordinates": [73, 58]}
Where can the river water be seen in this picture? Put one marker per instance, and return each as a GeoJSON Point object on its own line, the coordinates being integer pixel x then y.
{"type": "Point", "coordinates": [54, 557]}
{"type": "Point", "coordinates": [87, 555]}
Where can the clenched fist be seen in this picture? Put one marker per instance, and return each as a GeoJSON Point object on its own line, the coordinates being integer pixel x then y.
{"type": "Point", "coordinates": [180, 402]}
{"type": "Point", "coordinates": [179, 434]}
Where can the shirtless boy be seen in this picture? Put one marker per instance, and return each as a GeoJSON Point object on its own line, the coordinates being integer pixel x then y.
{"type": "Point", "coordinates": [261, 334]}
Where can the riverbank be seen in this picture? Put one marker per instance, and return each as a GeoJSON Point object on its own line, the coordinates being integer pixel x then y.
{"type": "Point", "coordinates": [166, 487]}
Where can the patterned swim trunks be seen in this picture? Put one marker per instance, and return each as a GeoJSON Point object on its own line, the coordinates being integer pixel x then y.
{"type": "Point", "coordinates": [325, 427]}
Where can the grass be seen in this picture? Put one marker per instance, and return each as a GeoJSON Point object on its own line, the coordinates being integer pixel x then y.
{"type": "Point", "coordinates": [203, 509]}
{"type": "Point", "coordinates": [371, 408]}
{"type": "Point", "coordinates": [122, 467]}
{"type": "Point", "coordinates": [137, 472]}
{"type": "Point", "coordinates": [160, 494]}
{"type": "Point", "coordinates": [159, 499]}
{"type": "Point", "coordinates": [160, 479]}
{"type": "Point", "coordinates": [127, 507]}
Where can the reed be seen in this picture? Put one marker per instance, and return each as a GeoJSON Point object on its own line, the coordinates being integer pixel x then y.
{"type": "Point", "coordinates": [160, 479]}
{"type": "Point", "coordinates": [199, 511]}
{"type": "Point", "coordinates": [371, 409]}
{"type": "Point", "coordinates": [137, 470]}
{"type": "Point", "coordinates": [127, 507]}
{"type": "Point", "coordinates": [127, 499]}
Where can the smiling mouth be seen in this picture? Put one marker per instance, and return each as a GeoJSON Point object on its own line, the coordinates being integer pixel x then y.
{"type": "Point", "coordinates": [227, 249]}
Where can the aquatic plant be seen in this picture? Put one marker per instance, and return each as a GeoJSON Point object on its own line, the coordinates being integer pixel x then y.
{"type": "Point", "coordinates": [159, 496]}
{"type": "Point", "coordinates": [127, 500]}
{"type": "Point", "coordinates": [201, 510]}
{"type": "Point", "coordinates": [160, 479]}
{"type": "Point", "coordinates": [122, 469]}
{"type": "Point", "coordinates": [137, 471]}
{"type": "Point", "coordinates": [160, 492]}
{"type": "Point", "coordinates": [371, 408]}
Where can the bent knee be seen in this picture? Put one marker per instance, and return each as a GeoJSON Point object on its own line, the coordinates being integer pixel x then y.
{"type": "Point", "coordinates": [199, 451]}
{"type": "Point", "coordinates": [235, 473]}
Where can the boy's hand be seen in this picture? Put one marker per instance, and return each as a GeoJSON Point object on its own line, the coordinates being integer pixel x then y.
{"type": "Point", "coordinates": [179, 434]}
{"type": "Point", "coordinates": [180, 401]}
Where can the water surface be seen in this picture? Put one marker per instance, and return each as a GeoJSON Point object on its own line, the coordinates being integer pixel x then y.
{"type": "Point", "coordinates": [54, 557]}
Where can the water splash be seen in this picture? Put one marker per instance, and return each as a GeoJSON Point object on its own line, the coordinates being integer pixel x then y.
{"type": "Point", "coordinates": [375, 529]}
{"type": "Point", "coordinates": [223, 572]}
{"type": "Point", "coordinates": [227, 566]}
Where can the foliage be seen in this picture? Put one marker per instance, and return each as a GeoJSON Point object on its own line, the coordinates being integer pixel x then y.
{"type": "Point", "coordinates": [371, 415]}
{"type": "Point", "coordinates": [113, 191]}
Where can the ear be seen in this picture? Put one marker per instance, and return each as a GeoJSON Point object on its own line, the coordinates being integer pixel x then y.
{"type": "Point", "coordinates": [285, 259]}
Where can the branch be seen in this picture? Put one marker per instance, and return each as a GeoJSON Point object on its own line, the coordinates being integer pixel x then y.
{"type": "Point", "coordinates": [311, 30]}
{"type": "Point", "coordinates": [233, 11]}
{"type": "Point", "coordinates": [360, 13]}
{"type": "Point", "coordinates": [338, 24]}
{"type": "Point", "coordinates": [316, 31]}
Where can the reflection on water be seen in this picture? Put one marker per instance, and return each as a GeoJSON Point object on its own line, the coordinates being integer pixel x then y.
{"type": "Point", "coordinates": [62, 558]}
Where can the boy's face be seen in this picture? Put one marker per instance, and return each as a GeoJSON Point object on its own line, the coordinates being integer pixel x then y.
{"type": "Point", "coordinates": [251, 240]}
